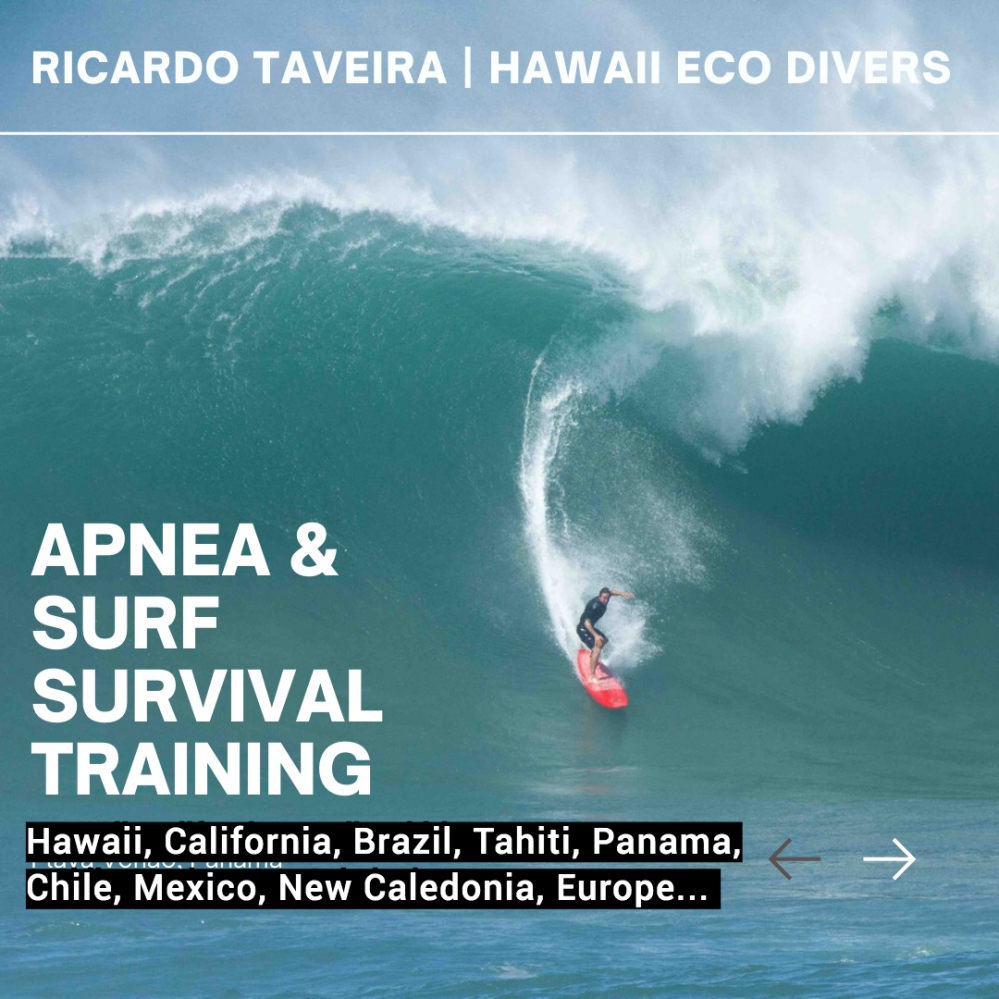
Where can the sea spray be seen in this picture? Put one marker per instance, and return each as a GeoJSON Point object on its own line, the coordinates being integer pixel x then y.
{"type": "Point", "coordinates": [558, 575]}
{"type": "Point", "coordinates": [608, 525]}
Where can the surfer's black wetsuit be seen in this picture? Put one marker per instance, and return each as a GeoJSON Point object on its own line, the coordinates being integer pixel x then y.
{"type": "Point", "coordinates": [593, 612]}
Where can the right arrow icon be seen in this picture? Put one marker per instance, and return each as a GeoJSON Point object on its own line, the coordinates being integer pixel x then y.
{"type": "Point", "coordinates": [908, 858]}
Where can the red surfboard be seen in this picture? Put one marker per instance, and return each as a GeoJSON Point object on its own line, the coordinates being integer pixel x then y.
{"type": "Point", "coordinates": [606, 688]}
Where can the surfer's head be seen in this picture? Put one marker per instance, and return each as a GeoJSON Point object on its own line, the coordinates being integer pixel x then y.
{"type": "Point", "coordinates": [604, 595]}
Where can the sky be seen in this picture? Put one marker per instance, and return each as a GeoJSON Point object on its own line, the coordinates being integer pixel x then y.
{"type": "Point", "coordinates": [967, 32]}
{"type": "Point", "coordinates": [843, 222]}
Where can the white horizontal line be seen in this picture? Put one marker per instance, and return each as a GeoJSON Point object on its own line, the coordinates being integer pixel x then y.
{"type": "Point", "coordinates": [503, 134]}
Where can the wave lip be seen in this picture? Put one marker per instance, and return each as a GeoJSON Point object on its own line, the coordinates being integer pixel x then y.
{"type": "Point", "coordinates": [781, 258]}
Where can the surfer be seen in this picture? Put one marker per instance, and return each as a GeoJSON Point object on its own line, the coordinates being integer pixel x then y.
{"type": "Point", "coordinates": [589, 634]}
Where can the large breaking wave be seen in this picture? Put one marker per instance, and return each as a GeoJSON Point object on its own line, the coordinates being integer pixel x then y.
{"type": "Point", "coordinates": [718, 288]}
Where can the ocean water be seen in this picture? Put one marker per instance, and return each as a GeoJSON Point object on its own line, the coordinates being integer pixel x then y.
{"type": "Point", "coordinates": [493, 423]}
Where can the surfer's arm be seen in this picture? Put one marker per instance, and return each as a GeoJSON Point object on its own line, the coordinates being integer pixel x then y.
{"type": "Point", "coordinates": [621, 593]}
{"type": "Point", "coordinates": [589, 627]}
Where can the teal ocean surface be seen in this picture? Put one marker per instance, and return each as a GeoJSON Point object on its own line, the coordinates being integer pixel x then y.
{"type": "Point", "coordinates": [492, 429]}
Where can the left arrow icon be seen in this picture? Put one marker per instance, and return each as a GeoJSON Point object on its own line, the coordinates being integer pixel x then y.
{"type": "Point", "coordinates": [777, 853]}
